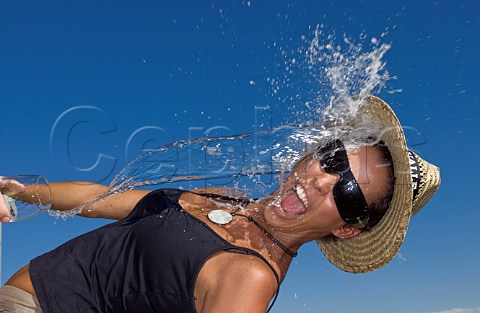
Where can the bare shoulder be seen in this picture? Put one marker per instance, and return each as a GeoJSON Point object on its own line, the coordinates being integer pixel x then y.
{"type": "Point", "coordinates": [249, 268]}
{"type": "Point", "coordinates": [232, 282]}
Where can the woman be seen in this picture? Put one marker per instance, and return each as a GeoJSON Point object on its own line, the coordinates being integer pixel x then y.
{"type": "Point", "coordinates": [182, 251]}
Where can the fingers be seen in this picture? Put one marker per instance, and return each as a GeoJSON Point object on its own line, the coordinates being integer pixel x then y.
{"type": "Point", "coordinates": [4, 214]}
{"type": "Point", "coordinates": [11, 187]}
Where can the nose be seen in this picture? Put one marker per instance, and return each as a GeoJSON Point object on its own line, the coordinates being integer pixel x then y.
{"type": "Point", "coordinates": [317, 178]}
{"type": "Point", "coordinates": [324, 182]}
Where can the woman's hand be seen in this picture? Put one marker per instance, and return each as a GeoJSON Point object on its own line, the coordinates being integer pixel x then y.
{"type": "Point", "coordinates": [4, 214]}
{"type": "Point", "coordinates": [8, 188]}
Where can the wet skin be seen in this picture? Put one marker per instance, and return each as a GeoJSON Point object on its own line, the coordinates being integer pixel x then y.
{"type": "Point", "coordinates": [320, 216]}
{"type": "Point", "coordinates": [292, 227]}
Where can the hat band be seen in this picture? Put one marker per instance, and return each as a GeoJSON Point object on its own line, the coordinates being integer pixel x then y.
{"type": "Point", "coordinates": [416, 174]}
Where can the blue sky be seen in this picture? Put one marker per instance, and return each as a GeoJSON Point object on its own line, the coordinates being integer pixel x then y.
{"type": "Point", "coordinates": [79, 79]}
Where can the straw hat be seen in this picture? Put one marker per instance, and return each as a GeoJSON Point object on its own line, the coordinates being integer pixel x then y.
{"type": "Point", "coordinates": [416, 181]}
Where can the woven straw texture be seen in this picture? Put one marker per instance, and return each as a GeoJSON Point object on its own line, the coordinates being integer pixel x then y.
{"type": "Point", "coordinates": [373, 249]}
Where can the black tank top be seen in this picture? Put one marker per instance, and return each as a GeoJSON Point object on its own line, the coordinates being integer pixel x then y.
{"type": "Point", "coordinates": [147, 262]}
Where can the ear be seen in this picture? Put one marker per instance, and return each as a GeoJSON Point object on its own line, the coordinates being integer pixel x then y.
{"type": "Point", "coordinates": [346, 231]}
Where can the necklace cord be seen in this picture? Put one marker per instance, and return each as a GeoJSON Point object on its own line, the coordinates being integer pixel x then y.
{"type": "Point", "coordinates": [250, 219]}
{"type": "Point", "coordinates": [268, 234]}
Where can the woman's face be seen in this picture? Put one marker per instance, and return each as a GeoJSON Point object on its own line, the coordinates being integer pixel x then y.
{"type": "Point", "coordinates": [305, 205]}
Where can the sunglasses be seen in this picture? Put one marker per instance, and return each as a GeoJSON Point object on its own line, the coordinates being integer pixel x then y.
{"type": "Point", "coordinates": [349, 199]}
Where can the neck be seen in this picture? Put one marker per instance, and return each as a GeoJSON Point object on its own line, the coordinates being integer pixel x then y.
{"type": "Point", "coordinates": [292, 233]}
{"type": "Point", "coordinates": [284, 240]}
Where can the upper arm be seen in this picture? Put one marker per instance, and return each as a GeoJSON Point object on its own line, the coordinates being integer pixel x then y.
{"type": "Point", "coordinates": [245, 284]}
{"type": "Point", "coordinates": [116, 206]}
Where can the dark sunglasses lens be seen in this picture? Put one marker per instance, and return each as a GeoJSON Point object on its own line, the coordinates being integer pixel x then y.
{"type": "Point", "coordinates": [349, 199]}
{"type": "Point", "coordinates": [333, 157]}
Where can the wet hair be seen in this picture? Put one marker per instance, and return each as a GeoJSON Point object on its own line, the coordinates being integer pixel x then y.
{"type": "Point", "coordinates": [380, 205]}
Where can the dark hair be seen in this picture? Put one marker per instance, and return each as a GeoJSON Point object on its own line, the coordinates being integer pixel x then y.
{"type": "Point", "coordinates": [380, 205]}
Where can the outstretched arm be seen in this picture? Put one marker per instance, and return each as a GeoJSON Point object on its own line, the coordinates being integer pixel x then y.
{"type": "Point", "coordinates": [69, 195]}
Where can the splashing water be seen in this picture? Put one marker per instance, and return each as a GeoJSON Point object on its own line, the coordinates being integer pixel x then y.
{"type": "Point", "coordinates": [331, 76]}
{"type": "Point", "coordinates": [352, 75]}
{"type": "Point", "coordinates": [247, 155]}
{"type": "Point", "coordinates": [349, 71]}
{"type": "Point", "coordinates": [332, 80]}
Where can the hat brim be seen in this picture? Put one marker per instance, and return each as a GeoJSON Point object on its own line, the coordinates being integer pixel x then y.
{"type": "Point", "coordinates": [372, 249]}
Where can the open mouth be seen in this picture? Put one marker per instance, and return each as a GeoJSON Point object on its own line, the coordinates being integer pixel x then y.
{"type": "Point", "coordinates": [295, 201]}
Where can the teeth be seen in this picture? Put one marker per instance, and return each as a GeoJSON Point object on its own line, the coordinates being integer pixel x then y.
{"type": "Point", "coordinates": [301, 194]}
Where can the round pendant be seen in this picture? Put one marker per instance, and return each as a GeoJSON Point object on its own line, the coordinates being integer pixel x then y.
{"type": "Point", "coordinates": [220, 217]}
